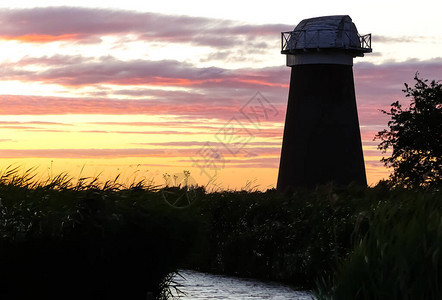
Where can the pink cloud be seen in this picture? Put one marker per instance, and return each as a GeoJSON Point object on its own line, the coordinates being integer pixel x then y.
{"type": "Point", "coordinates": [377, 86]}
{"type": "Point", "coordinates": [199, 143]}
{"type": "Point", "coordinates": [55, 60]}
{"type": "Point", "coordinates": [37, 105]}
{"type": "Point", "coordinates": [113, 153]}
{"type": "Point", "coordinates": [107, 70]}
{"type": "Point", "coordinates": [85, 25]}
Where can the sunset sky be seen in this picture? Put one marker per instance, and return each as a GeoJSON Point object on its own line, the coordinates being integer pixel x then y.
{"type": "Point", "coordinates": [154, 87]}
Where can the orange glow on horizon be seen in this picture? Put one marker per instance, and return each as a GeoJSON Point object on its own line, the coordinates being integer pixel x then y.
{"type": "Point", "coordinates": [40, 38]}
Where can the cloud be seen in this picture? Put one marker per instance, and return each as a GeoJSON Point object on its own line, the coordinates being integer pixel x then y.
{"type": "Point", "coordinates": [48, 24]}
{"type": "Point", "coordinates": [91, 153]}
{"type": "Point", "coordinates": [51, 61]}
{"type": "Point", "coordinates": [378, 79]}
{"type": "Point", "coordinates": [377, 86]}
{"type": "Point", "coordinates": [37, 105]}
{"type": "Point", "coordinates": [151, 132]}
{"type": "Point", "coordinates": [214, 93]}
{"type": "Point", "coordinates": [111, 153]}
{"type": "Point", "coordinates": [258, 162]}
{"type": "Point", "coordinates": [402, 39]}
{"type": "Point", "coordinates": [40, 38]}
{"type": "Point", "coordinates": [79, 71]}
{"type": "Point", "coordinates": [18, 124]}
{"type": "Point", "coordinates": [199, 144]}
{"type": "Point", "coordinates": [185, 123]}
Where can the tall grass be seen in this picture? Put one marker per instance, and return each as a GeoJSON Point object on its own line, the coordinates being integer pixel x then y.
{"type": "Point", "coordinates": [18, 176]}
{"type": "Point", "coordinates": [399, 257]}
{"type": "Point", "coordinates": [62, 238]}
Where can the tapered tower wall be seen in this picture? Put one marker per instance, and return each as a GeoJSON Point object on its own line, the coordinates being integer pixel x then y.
{"type": "Point", "coordinates": [322, 141]}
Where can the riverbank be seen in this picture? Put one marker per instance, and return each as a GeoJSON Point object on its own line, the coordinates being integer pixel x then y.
{"type": "Point", "coordinates": [342, 242]}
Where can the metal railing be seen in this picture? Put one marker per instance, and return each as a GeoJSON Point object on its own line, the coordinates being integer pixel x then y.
{"type": "Point", "coordinates": [365, 41]}
{"type": "Point", "coordinates": [302, 39]}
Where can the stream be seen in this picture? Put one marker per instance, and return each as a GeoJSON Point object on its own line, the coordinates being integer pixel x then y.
{"type": "Point", "coordinates": [197, 285]}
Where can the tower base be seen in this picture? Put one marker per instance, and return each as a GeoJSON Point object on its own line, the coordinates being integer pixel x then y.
{"type": "Point", "coordinates": [322, 140]}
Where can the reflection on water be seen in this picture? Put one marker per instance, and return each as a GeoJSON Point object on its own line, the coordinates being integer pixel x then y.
{"type": "Point", "coordinates": [198, 285]}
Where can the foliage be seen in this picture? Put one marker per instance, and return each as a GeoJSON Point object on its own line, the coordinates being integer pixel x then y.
{"type": "Point", "coordinates": [399, 258]}
{"type": "Point", "coordinates": [415, 136]}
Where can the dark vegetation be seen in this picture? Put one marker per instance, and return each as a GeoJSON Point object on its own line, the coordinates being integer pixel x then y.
{"type": "Point", "coordinates": [88, 240]}
{"type": "Point", "coordinates": [399, 257]}
{"type": "Point", "coordinates": [415, 137]}
{"type": "Point", "coordinates": [347, 243]}
{"type": "Point", "coordinates": [104, 241]}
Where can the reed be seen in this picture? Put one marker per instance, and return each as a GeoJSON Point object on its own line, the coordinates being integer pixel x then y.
{"type": "Point", "coordinates": [62, 238]}
{"type": "Point", "coordinates": [398, 258]}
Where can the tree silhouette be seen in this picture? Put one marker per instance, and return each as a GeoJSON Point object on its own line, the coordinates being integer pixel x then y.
{"type": "Point", "coordinates": [415, 136]}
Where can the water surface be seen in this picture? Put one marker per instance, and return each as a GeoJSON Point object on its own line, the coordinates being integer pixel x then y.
{"type": "Point", "coordinates": [197, 285]}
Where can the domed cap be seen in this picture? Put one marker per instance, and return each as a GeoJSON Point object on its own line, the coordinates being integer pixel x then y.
{"type": "Point", "coordinates": [329, 32]}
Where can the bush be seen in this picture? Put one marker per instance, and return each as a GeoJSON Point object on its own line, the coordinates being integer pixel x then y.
{"type": "Point", "coordinates": [415, 136]}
